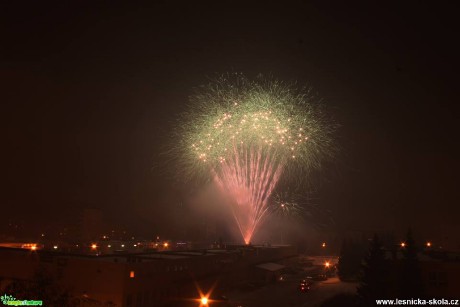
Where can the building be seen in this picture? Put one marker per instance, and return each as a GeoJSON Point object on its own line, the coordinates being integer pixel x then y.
{"type": "Point", "coordinates": [168, 278]}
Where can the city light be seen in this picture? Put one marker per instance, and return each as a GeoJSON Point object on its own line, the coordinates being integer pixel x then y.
{"type": "Point", "coordinates": [93, 246]}
{"type": "Point", "coordinates": [31, 246]}
{"type": "Point", "coordinates": [204, 297]}
{"type": "Point", "coordinates": [55, 247]}
{"type": "Point", "coordinates": [403, 244]}
{"type": "Point", "coordinates": [131, 274]}
{"type": "Point", "coordinates": [165, 244]}
{"type": "Point", "coordinates": [428, 244]}
{"type": "Point", "coordinates": [323, 245]}
{"type": "Point", "coordinates": [204, 301]}
{"type": "Point", "coordinates": [327, 264]}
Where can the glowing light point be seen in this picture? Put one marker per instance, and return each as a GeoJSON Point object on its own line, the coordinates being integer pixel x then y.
{"type": "Point", "coordinates": [204, 301]}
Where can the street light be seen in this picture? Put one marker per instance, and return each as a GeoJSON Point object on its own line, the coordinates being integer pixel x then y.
{"type": "Point", "coordinates": [323, 245]}
{"type": "Point", "coordinates": [428, 244]}
{"type": "Point", "coordinates": [403, 244]}
{"type": "Point", "coordinates": [204, 301]}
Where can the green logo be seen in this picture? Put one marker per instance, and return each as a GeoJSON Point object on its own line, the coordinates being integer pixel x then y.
{"type": "Point", "coordinates": [9, 300]}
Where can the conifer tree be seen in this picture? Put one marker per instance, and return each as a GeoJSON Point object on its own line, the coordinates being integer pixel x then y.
{"type": "Point", "coordinates": [374, 276]}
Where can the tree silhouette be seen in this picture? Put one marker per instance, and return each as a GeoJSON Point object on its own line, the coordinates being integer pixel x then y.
{"type": "Point", "coordinates": [351, 255]}
{"type": "Point", "coordinates": [410, 278]}
{"type": "Point", "coordinates": [374, 278]}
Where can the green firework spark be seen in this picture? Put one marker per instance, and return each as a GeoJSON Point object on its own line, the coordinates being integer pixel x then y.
{"type": "Point", "coordinates": [264, 115]}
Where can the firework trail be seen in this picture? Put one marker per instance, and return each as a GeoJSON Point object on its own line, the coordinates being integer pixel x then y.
{"type": "Point", "coordinates": [246, 135]}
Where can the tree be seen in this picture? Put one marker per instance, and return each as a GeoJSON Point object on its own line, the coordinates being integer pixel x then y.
{"type": "Point", "coordinates": [351, 254]}
{"type": "Point", "coordinates": [410, 278]}
{"type": "Point", "coordinates": [374, 277]}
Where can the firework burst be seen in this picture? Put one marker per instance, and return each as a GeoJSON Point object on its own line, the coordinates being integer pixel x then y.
{"type": "Point", "coordinates": [245, 135]}
{"type": "Point", "coordinates": [290, 205]}
{"type": "Point", "coordinates": [286, 206]}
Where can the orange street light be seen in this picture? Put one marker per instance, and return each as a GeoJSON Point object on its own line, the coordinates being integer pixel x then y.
{"type": "Point", "coordinates": [93, 246]}
{"type": "Point", "coordinates": [403, 244]}
{"type": "Point", "coordinates": [327, 264]}
{"type": "Point", "coordinates": [204, 301]}
{"type": "Point", "coordinates": [323, 245]}
{"type": "Point", "coordinates": [428, 244]}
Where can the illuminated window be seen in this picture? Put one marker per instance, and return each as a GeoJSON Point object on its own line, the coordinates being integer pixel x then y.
{"type": "Point", "coordinates": [131, 274]}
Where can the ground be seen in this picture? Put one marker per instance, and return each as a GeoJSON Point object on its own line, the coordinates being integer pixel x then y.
{"type": "Point", "coordinates": [286, 293]}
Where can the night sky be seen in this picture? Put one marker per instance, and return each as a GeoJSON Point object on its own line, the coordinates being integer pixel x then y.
{"type": "Point", "coordinates": [90, 92]}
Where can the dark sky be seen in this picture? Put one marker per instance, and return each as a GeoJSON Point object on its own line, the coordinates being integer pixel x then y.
{"type": "Point", "coordinates": [89, 92]}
